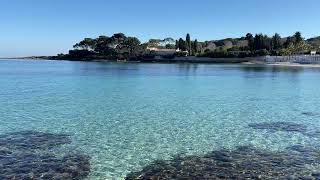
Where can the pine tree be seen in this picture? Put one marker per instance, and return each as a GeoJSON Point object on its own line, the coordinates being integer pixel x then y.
{"type": "Point", "coordinates": [188, 43]}
{"type": "Point", "coordinates": [267, 43]}
{"type": "Point", "coordinates": [195, 47]}
{"type": "Point", "coordinates": [298, 37]}
{"type": "Point", "coordinates": [258, 42]}
{"type": "Point", "coordinates": [250, 39]}
{"type": "Point", "coordinates": [289, 42]}
{"type": "Point", "coordinates": [276, 42]}
{"type": "Point", "coordinates": [182, 45]}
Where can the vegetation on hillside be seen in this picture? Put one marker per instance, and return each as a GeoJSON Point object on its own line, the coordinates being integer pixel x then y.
{"type": "Point", "coordinates": [257, 45]}
{"type": "Point", "coordinates": [315, 43]}
{"type": "Point", "coordinates": [118, 46]}
{"type": "Point", "coordinates": [121, 47]}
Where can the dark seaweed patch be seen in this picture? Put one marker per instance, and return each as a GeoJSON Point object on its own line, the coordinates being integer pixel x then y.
{"type": "Point", "coordinates": [287, 127]}
{"type": "Point", "coordinates": [305, 150]}
{"type": "Point", "coordinates": [280, 126]}
{"type": "Point", "coordinates": [31, 140]}
{"type": "Point", "coordinates": [313, 133]}
{"type": "Point", "coordinates": [19, 160]}
{"type": "Point", "coordinates": [242, 163]}
{"type": "Point", "coordinates": [35, 166]}
{"type": "Point", "coordinates": [310, 113]}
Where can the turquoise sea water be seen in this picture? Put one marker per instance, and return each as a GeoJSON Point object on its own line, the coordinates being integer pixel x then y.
{"type": "Point", "coordinates": [125, 116]}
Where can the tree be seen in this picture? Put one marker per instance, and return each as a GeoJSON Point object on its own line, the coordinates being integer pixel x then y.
{"type": "Point", "coordinates": [290, 41]}
{"type": "Point", "coordinates": [192, 52]}
{"type": "Point", "coordinates": [302, 47]}
{"type": "Point", "coordinates": [250, 39]}
{"type": "Point", "coordinates": [117, 39]}
{"type": "Point", "coordinates": [103, 46]}
{"type": "Point", "coordinates": [177, 44]}
{"type": "Point", "coordinates": [188, 43]}
{"type": "Point", "coordinates": [195, 47]}
{"type": "Point", "coordinates": [266, 43]}
{"type": "Point", "coordinates": [298, 38]}
{"type": "Point", "coordinates": [258, 42]}
{"type": "Point", "coordinates": [81, 54]}
{"type": "Point", "coordinates": [168, 40]}
{"type": "Point", "coordinates": [182, 45]}
{"type": "Point", "coordinates": [130, 45]}
{"type": "Point", "coordinates": [170, 46]}
{"type": "Point", "coordinates": [86, 44]}
{"type": "Point", "coordinates": [154, 42]}
{"type": "Point", "coordinates": [276, 42]}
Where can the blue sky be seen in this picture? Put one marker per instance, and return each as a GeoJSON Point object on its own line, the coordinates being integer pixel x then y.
{"type": "Point", "coordinates": [48, 27]}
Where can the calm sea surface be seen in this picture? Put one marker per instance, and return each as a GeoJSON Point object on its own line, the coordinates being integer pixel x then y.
{"type": "Point", "coordinates": [126, 116]}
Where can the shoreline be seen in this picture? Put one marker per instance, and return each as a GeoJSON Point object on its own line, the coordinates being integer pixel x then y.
{"type": "Point", "coordinates": [244, 61]}
{"type": "Point", "coordinates": [294, 65]}
{"type": "Point", "coordinates": [188, 59]}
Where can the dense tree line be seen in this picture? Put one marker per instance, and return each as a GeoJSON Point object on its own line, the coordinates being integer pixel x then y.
{"type": "Point", "coordinates": [192, 47]}
{"type": "Point", "coordinates": [119, 46]}
{"type": "Point", "coordinates": [262, 45]}
{"type": "Point", "coordinates": [274, 43]}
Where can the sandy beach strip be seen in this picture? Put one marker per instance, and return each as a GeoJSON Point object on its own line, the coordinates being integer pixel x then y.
{"type": "Point", "coordinates": [294, 65]}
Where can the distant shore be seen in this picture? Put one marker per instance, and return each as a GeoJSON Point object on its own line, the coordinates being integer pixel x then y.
{"type": "Point", "coordinates": [294, 65]}
{"type": "Point", "coordinates": [189, 59]}
{"type": "Point", "coordinates": [30, 58]}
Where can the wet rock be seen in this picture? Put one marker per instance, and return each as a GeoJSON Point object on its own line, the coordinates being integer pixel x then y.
{"type": "Point", "coordinates": [280, 126]}
{"type": "Point", "coordinates": [25, 155]}
{"type": "Point", "coordinates": [242, 163]}
{"type": "Point", "coordinates": [4, 151]}
{"type": "Point", "coordinates": [302, 149]}
{"type": "Point", "coordinates": [31, 140]}
{"type": "Point", "coordinates": [33, 166]}
{"type": "Point", "coordinates": [311, 154]}
{"type": "Point", "coordinates": [316, 175]}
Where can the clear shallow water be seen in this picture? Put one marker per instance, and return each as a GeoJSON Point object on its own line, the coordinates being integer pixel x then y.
{"type": "Point", "coordinates": [125, 116]}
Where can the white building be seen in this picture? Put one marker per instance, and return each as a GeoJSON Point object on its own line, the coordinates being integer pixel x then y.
{"type": "Point", "coordinates": [313, 53]}
{"type": "Point", "coordinates": [164, 52]}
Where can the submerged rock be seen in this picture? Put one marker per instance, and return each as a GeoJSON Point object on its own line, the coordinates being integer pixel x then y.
{"type": "Point", "coordinates": [242, 163]}
{"type": "Point", "coordinates": [35, 166]}
{"type": "Point", "coordinates": [24, 155]}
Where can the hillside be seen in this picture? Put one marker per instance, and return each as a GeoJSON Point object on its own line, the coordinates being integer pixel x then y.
{"type": "Point", "coordinates": [315, 42]}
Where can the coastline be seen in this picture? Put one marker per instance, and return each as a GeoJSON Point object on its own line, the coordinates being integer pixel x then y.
{"type": "Point", "coordinates": [178, 60]}
{"type": "Point", "coordinates": [285, 64]}
{"type": "Point", "coordinates": [187, 59]}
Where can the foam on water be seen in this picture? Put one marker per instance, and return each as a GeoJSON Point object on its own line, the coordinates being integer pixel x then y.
{"type": "Point", "coordinates": [126, 116]}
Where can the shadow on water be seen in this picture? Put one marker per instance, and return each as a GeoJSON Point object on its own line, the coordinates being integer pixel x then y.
{"type": "Point", "coordinates": [187, 68]}
{"type": "Point", "coordinates": [262, 71]}
{"type": "Point", "coordinates": [23, 155]}
{"type": "Point", "coordinates": [274, 69]}
{"type": "Point", "coordinates": [243, 163]}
